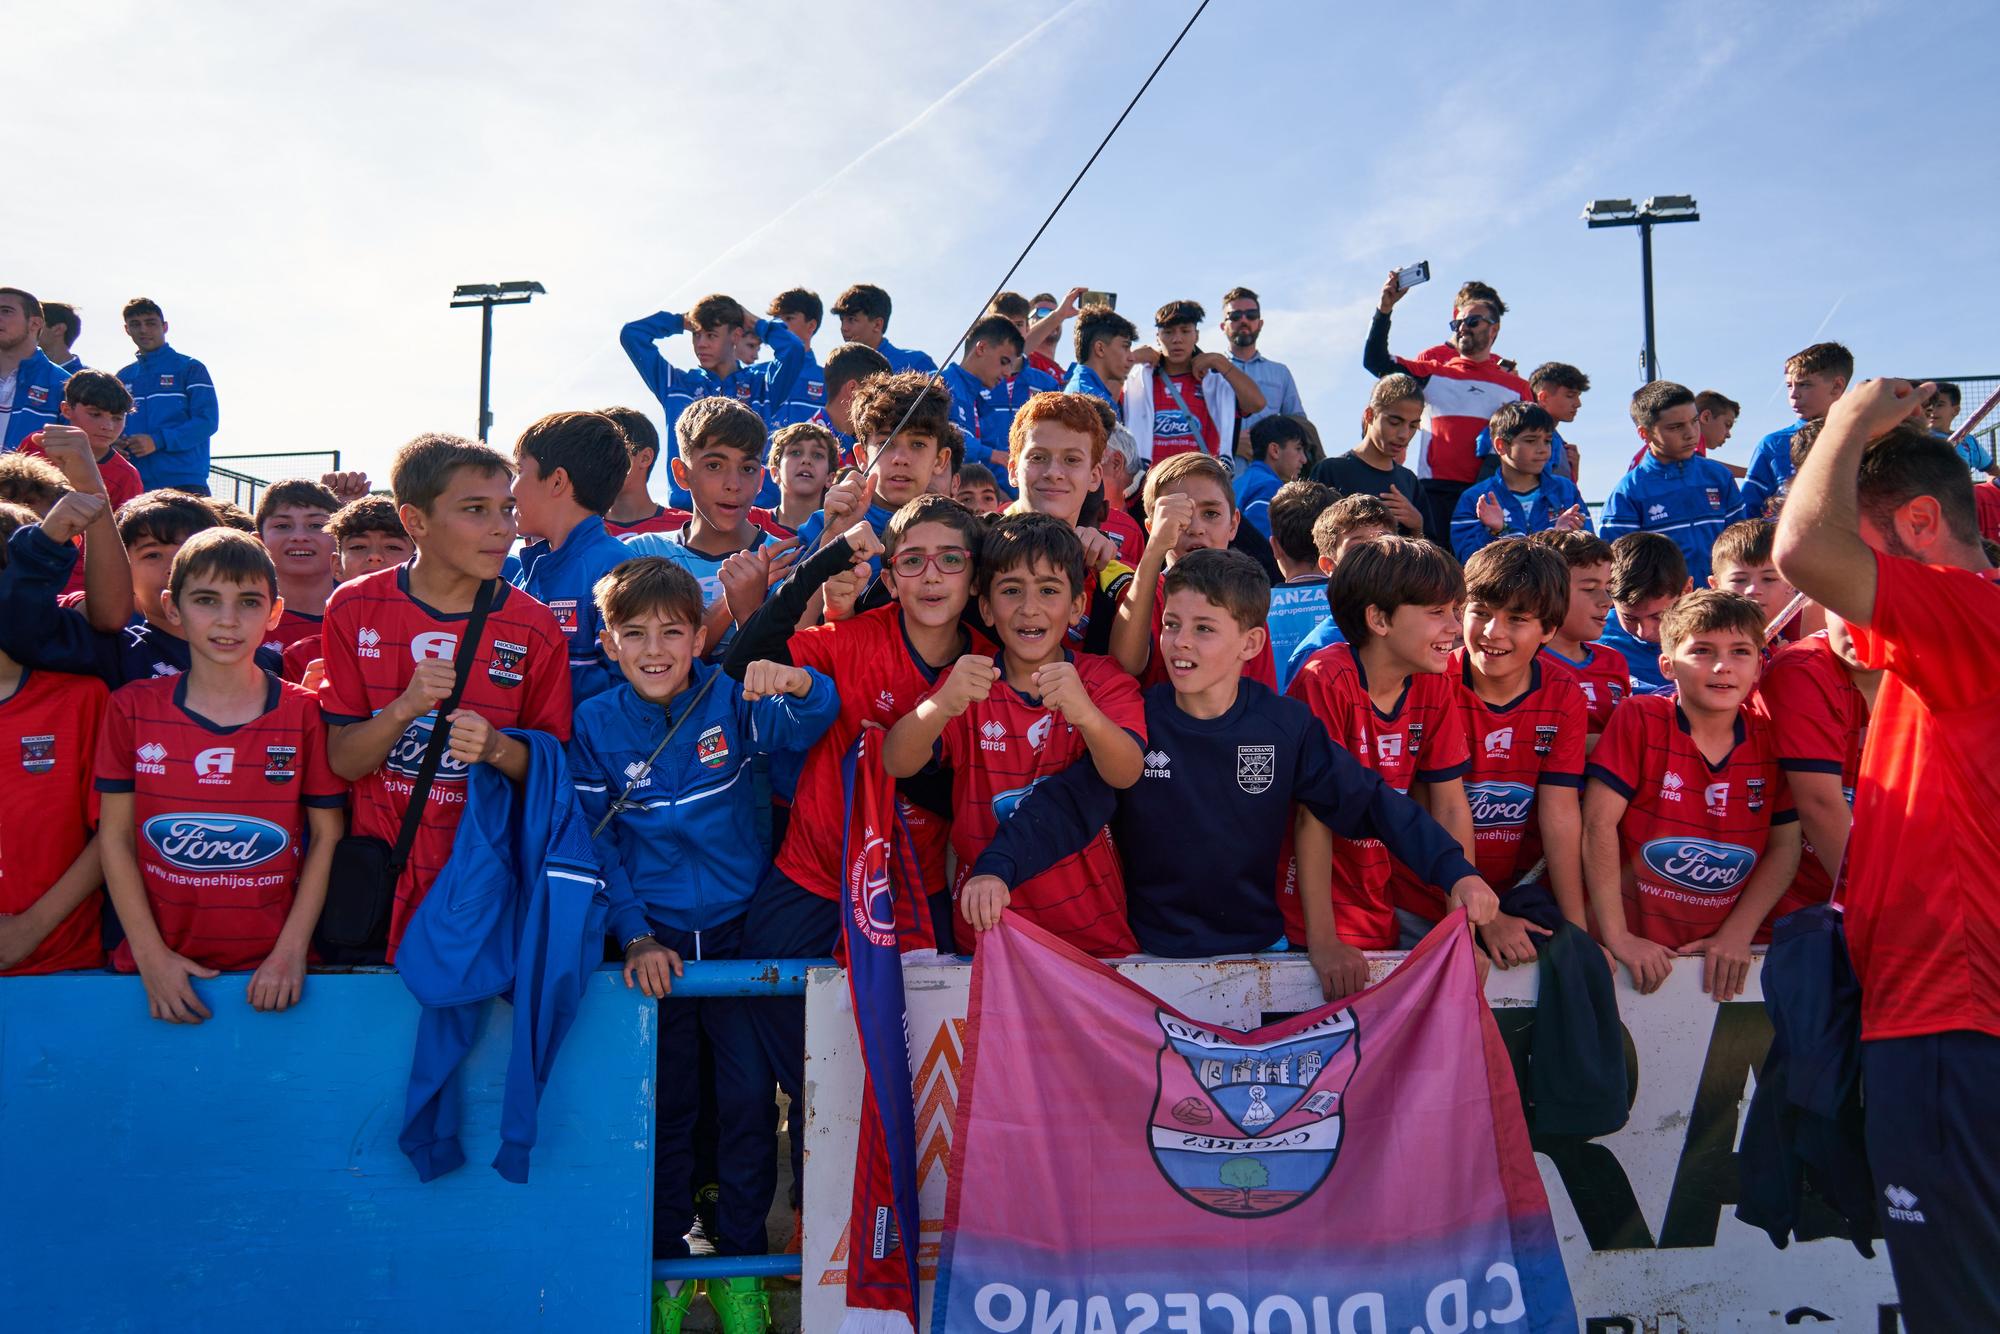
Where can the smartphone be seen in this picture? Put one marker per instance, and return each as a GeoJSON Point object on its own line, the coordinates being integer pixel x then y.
{"type": "Point", "coordinates": [1409, 277]}
{"type": "Point", "coordinates": [1101, 299]}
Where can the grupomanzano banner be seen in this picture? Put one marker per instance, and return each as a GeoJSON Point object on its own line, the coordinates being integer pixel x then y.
{"type": "Point", "coordinates": [1360, 1169]}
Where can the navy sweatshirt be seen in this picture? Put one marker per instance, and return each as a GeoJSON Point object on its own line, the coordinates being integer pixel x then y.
{"type": "Point", "coordinates": [1200, 832]}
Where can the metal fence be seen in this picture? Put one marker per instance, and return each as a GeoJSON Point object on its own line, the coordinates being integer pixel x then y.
{"type": "Point", "coordinates": [1974, 390]}
{"type": "Point", "coordinates": [241, 478]}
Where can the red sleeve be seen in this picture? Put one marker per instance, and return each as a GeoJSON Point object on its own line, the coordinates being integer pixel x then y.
{"type": "Point", "coordinates": [1445, 754]}
{"type": "Point", "coordinates": [343, 698]}
{"type": "Point", "coordinates": [1806, 726]}
{"type": "Point", "coordinates": [1117, 696]}
{"type": "Point", "coordinates": [1263, 667]}
{"type": "Point", "coordinates": [813, 647]}
{"type": "Point", "coordinates": [114, 744]}
{"type": "Point", "coordinates": [319, 779]}
{"type": "Point", "coordinates": [1937, 629]}
{"type": "Point", "coordinates": [299, 655]}
{"type": "Point", "coordinates": [94, 703]}
{"type": "Point", "coordinates": [547, 707]}
{"type": "Point", "coordinates": [121, 479]}
{"type": "Point", "coordinates": [1782, 808]}
{"type": "Point", "coordinates": [1620, 757]}
{"type": "Point", "coordinates": [1987, 498]}
{"type": "Point", "coordinates": [1563, 765]}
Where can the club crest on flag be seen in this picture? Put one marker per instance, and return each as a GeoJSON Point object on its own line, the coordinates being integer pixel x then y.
{"type": "Point", "coordinates": [874, 903]}
{"type": "Point", "coordinates": [1250, 1129]}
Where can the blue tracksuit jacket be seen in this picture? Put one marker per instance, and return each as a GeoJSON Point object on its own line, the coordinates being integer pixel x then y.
{"type": "Point", "coordinates": [1254, 488]}
{"type": "Point", "coordinates": [684, 854]}
{"type": "Point", "coordinates": [1691, 502]}
{"type": "Point", "coordinates": [1468, 534]}
{"type": "Point", "coordinates": [1770, 468]}
{"type": "Point", "coordinates": [173, 401]}
{"type": "Point", "coordinates": [563, 578]}
{"type": "Point", "coordinates": [38, 392]}
{"type": "Point", "coordinates": [765, 386]}
{"type": "Point", "coordinates": [905, 358]}
{"type": "Point", "coordinates": [518, 911]}
{"type": "Point", "coordinates": [1083, 380]}
{"type": "Point", "coordinates": [997, 407]}
{"type": "Point", "coordinates": [807, 398]}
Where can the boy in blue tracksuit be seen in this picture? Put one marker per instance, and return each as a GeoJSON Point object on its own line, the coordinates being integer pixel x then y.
{"type": "Point", "coordinates": [1673, 490]}
{"type": "Point", "coordinates": [800, 310]}
{"type": "Point", "coordinates": [1814, 378]}
{"type": "Point", "coordinates": [174, 412]}
{"type": "Point", "coordinates": [713, 324]}
{"type": "Point", "coordinates": [681, 854]}
{"type": "Point", "coordinates": [1522, 496]}
{"type": "Point", "coordinates": [571, 466]}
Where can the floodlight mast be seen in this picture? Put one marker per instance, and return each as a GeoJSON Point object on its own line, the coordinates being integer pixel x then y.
{"type": "Point", "coordinates": [486, 296]}
{"type": "Point", "coordinates": [1624, 213]}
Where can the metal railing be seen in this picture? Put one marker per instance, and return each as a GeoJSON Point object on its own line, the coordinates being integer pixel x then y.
{"type": "Point", "coordinates": [229, 479]}
{"type": "Point", "coordinates": [746, 978]}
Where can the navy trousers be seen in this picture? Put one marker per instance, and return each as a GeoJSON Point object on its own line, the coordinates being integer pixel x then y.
{"type": "Point", "coordinates": [786, 921]}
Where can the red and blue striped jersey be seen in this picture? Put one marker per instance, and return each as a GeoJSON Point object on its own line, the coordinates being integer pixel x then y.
{"type": "Point", "coordinates": [217, 813]}
{"type": "Point", "coordinates": [48, 743]}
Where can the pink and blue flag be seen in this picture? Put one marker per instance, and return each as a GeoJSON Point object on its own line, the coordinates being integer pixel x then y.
{"type": "Point", "coordinates": [1359, 1169]}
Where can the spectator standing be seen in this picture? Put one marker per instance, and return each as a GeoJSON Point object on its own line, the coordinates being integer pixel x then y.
{"type": "Point", "coordinates": [801, 312]}
{"type": "Point", "coordinates": [61, 327]}
{"type": "Point", "coordinates": [174, 413]}
{"type": "Point", "coordinates": [1375, 466]}
{"type": "Point", "coordinates": [1180, 399]}
{"type": "Point", "coordinates": [1941, 412]}
{"type": "Point", "coordinates": [864, 318]}
{"type": "Point", "coordinates": [1104, 340]}
{"type": "Point", "coordinates": [31, 386]}
{"type": "Point", "coordinates": [1463, 385]}
{"type": "Point", "coordinates": [1242, 323]}
{"type": "Point", "coordinates": [1814, 378]}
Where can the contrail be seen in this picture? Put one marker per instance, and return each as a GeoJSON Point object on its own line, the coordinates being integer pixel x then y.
{"type": "Point", "coordinates": [1815, 338]}
{"type": "Point", "coordinates": [749, 239]}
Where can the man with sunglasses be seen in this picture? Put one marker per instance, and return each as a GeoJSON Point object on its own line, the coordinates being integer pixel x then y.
{"type": "Point", "coordinates": [1242, 322]}
{"type": "Point", "coordinates": [1464, 383]}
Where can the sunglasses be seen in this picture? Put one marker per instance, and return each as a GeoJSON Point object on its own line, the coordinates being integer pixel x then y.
{"type": "Point", "coordinates": [949, 560]}
{"type": "Point", "coordinates": [1238, 316]}
{"type": "Point", "coordinates": [1471, 322]}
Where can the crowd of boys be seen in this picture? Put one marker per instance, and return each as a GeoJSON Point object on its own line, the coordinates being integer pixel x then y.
{"type": "Point", "coordinates": [1098, 625]}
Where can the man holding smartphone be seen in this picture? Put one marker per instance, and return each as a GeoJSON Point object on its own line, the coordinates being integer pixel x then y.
{"type": "Point", "coordinates": [1464, 383]}
{"type": "Point", "coordinates": [1242, 323]}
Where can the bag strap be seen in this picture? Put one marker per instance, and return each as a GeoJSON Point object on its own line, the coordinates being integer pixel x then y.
{"type": "Point", "coordinates": [1174, 392]}
{"type": "Point", "coordinates": [461, 671]}
{"type": "Point", "coordinates": [639, 774]}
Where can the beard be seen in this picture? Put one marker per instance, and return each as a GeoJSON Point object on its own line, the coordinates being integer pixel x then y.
{"type": "Point", "coordinates": [1243, 338]}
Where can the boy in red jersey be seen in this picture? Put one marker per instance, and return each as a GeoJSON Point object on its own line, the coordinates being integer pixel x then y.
{"type": "Point", "coordinates": [1601, 672]}
{"type": "Point", "coordinates": [1002, 726]}
{"type": "Point", "coordinates": [390, 640]}
{"type": "Point", "coordinates": [49, 866]}
{"type": "Point", "coordinates": [1384, 697]}
{"type": "Point", "coordinates": [1526, 723]}
{"type": "Point", "coordinates": [1818, 696]}
{"type": "Point", "coordinates": [367, 536]}
{"type": "Point", "coordinates": [1880, 528]}
{"type": "Point", "coordinates": [1192, 499]}
{"type": "Point", "coordinates": [635, 510]}
{"type": "Point", "coordinates": [882, 662]}
{"type": "Point", "coordinates": [1689, 834]}
{"type": "Point", "coordinates": [1056, 448]}
{"type": "Point", "coordinates": [291, 523]}
{"type": "Point", "coordinates": [210, 783]}
{"type": "Point", "coordinates": [96, 404]}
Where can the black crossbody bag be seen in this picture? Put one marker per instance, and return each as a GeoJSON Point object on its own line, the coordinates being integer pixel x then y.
{"type": "Point", "coordinates": [361, 888]}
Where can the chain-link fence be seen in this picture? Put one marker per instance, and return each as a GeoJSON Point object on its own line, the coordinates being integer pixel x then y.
{"type": "Point", "coordinates": [241, 478]}
{"type": "Point", "coordinates": [1974, 390]}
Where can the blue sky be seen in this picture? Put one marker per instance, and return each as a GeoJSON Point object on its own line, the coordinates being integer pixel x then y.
{"type": "Point", "coordinates": [302, 186]}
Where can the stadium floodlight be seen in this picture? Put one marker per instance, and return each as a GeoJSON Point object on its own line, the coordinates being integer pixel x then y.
{"type": "Point", "coordinates": [486, 296]}
{"type": "Point", "coordinates": [1623, 213]}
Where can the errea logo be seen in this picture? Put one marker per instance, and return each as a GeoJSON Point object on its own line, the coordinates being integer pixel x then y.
{"type": "Point", "coordinates": [1902, 1204]}
{"type": "Point", "coordinates": [1670, 786]}
{"type": "Point", "coordinates": [367, 642]}
{"type": "Point", "coordinates": [1158, 765]}
{"type": "Point", "coordinates": [1656, 513]}
{"type": "Point", "coordinates": [992, 735]}
{"type": "Point", "coordinates": [639, 774]}
{"type": "Point", "coordinates": [152, 758]}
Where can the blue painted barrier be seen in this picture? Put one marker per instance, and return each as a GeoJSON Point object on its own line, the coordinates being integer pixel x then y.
{"type": "Point", "coordinates": [243, 1174]}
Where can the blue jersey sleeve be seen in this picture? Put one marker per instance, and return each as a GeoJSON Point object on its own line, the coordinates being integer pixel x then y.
{"type": "Point", "coordinates": [1354, 802]}
{"type": "Point", "coordinates": [789, 362]}
{"type": "Point", "coordinates": [791, 722]}
{"type": "Point", "coordinates": [595, 791]}
{"type": "Point", "coordinates": [1770, 466]}
{"type": "Point", "coordinates": [638, 339]}
{"type": "Point", "coordinates": [1621, 511]}
{"type": "Point", "coordinates": [204, 416]}
{"type": "Point", "coordinates": [1468, 534]}
{"type": "Point", "coordinates": [37, 633]}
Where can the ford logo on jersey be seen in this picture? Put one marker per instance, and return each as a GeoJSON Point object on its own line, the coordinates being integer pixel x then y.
{"type": "Point", "coordinates": [1700, 864]}
{"type": "Point", "coordinates": [214, 842]}
{"type": "Point", "coordinates": [407, 755]}
{"type": "Point", "coordinates": [1499, 805]}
